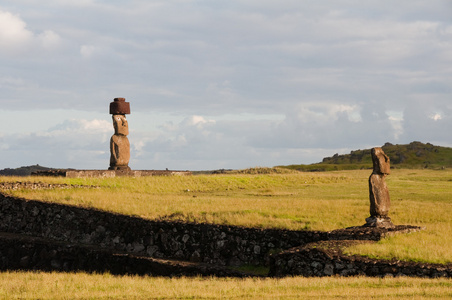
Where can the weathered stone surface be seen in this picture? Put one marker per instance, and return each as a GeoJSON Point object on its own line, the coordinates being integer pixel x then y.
{"type": "Point", "coordinates": [379, 196]}
{"type": "Point", "coordinates": [39, 185]}
{"type": "Point", "coordinates": [120, 125]}
{"type": "Point", "coordinates": [119, 143]}
{"type": "Point", "coordinates": [119, 107]}
{"type": "Point", "coordinates": [325, 258]}
{"type": "Point", "coordinates": [120, 152]}
{"type": "Point", "coordinates": [134, 173]}
{"type": "Point", "coordinates": [378, 191]}
{"type": "Point", "coordinates": [380, 161]}
{"type": "Point", "coordinates": [383, 222]}
{"type": "Point", "coordinates": [70, 173]}
{"type": "Point", "coordinates": [18, 252]}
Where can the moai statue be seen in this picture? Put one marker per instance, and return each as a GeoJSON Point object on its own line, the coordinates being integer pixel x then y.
{"type": "Point", "coordinates": [119, 143]}
{"type": "Point", "coordinates": [378, 191]}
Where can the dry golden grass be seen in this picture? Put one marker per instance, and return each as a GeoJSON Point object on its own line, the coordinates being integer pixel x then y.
{"type": "Point", "coordinates": [29, 285]}
{"type": "Point", "coordinates": [321, 201]}
{"type": "Point", "coordinates": [316, 201]}
{"type": "Point", "coordinates": [271, 201]}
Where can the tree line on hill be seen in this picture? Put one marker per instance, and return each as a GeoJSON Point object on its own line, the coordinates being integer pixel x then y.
{"type": "Point", "coordinates": [23, 171]}
{"type": "Point", "coordinates": [415, 155]}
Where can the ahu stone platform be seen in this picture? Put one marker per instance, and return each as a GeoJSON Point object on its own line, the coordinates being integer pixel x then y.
{"type": "Point", "coordinates": [71, 173]}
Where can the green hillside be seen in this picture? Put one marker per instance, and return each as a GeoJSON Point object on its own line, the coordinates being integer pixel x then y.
{"type": "Point", "coordinates": [23, 171]}
{"type": "Point", "coordinates": [415, 155]}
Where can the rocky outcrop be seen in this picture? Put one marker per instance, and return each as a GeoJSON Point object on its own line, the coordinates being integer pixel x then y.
{"type": "Point", "coordinates": [326, 259]}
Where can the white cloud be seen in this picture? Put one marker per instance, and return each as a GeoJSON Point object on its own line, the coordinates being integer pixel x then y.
{"type": "Point", "coordinates": [88, 51]}
{"type": "Point", "coordinates": [81, 143]}
{"type": "Point", "coordinates": [427, 121]}
{"type": "Point", "coordinates": [326, 112]}
{"type": "Point", "coordinates": [16, 39]}
{"type": "Point", "coordinates": [49, 39]}
{"type": "Point", "coordinates": [337, 74]}
{"type": "Point", "coordinates": [13, 33]}
{"type": "Point", "coordinates": [81, 126]}
{"type": "Point", "coordinates": [197, 121]}
{"type": "Point", "coordinates": [396, 120]}
{"type": "Point", "coordinates": [11, 82]}
{"type": "Point", "coordinates": [436, 117]}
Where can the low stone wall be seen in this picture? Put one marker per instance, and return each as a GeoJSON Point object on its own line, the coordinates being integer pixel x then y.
{"type": "Point", "coordinates": [107, 173]}
{"type": "Point", "coordinates": [18, 185]}
{"type": "Point", "coordinates": [222, 245]}
{"type": "Point", "coordinates": [78, 237]}
{"type": "Point", "coordinates": [327, 259]}
{"type": "Point", "coordinates": [18, 252]}
{"type": "Point", "coordinates": [362, 233]}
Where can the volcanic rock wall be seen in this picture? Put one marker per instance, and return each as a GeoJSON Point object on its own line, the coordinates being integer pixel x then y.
{"type": "Point", "coordinates": [51, 236]}
{"type": "Point", "coordinates": [326, 259]}
{"type": "Point", "coordinates": [223, 245]}
{"type": "Point", "coordinates": [19, 252]}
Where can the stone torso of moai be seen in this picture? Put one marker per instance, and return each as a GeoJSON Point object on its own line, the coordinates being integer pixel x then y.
{"type": "Point", "coordinates": [378, 191]}
{"type": "Point", "coordinates": [119, 143]}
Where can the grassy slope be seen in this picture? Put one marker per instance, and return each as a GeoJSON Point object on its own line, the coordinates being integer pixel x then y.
{"type": "Point", "coordinates": [299, 200]}
{"type": "Point", "coordinates": [317, 201]}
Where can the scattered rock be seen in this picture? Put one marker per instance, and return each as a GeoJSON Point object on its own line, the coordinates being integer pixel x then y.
{"type": "Point", "coordinates": [18, 185]}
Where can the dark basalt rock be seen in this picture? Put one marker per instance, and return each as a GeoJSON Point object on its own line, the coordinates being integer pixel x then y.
{"type": "Point", "coordinates": [49, 236]}
{"type": "Point", "coordinates": [326, 258]}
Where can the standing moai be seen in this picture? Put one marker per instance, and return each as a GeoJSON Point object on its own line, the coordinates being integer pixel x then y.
{"type": "Point", "coordinates": [378, 191]}
{"type": "Point", "coordinates": [119, 143]}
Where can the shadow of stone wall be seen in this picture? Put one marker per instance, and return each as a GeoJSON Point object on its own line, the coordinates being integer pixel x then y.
{"type": "Point", "coordinates": [216, 244]}
{"type": "Point", "coordinates": [68, 238]}
{"type": "Point", "coordinates": [19, 252]}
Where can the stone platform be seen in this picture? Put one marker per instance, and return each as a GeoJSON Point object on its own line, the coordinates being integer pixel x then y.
{"type": "Point", "coordinates": [71, 173]}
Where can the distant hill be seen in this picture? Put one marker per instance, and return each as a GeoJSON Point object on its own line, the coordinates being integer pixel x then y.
{"type": "Point", "coordinates": [415, 155]}
{"type": "Point", "coordinates": [23, 171]}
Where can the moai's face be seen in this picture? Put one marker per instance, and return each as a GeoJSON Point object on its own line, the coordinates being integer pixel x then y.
{"type": "Point", "coordinates": [120, 124]}
{"type": "Point", "coordinates": [381, 161]}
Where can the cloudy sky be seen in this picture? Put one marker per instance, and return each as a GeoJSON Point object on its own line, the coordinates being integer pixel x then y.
{"type": "Point", "coordinates": [221, 84]}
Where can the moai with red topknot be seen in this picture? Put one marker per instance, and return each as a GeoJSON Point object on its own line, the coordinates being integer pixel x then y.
{"type": "Point", "coordinates": [119, 143]}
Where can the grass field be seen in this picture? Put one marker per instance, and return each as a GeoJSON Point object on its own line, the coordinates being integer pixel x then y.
{"type": "Point", "coordinates": [28, 285]}
{"type": "Point", "coordinates": [316, 201]}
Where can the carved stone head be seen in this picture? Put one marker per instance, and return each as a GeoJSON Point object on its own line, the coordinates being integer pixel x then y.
{"type": "Point", "coordinates": [380, 161]}
{"type": "Point", "coordinates": [120, 124]}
